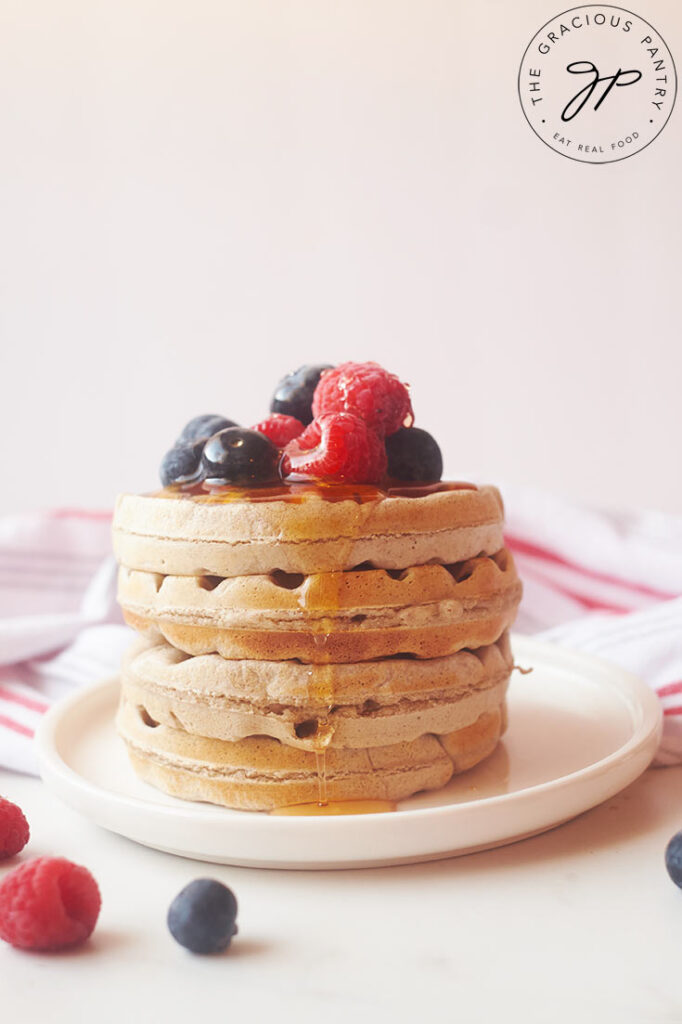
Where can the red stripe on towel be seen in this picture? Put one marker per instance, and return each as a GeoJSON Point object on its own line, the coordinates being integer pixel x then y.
{"type": "Point", "coordinates": [81, 513]}
{"type": "Point", "coordinates": [24, 702]}
{"type": "Point", "coordinates": [525, 547]}
{"type": "Point", "coordinates": [8, 723]}
{"type": "Point", "coordinates": [593, 604]}
{"type": "Point", "coordinates": [665, 691]}
{"type": "Point", "coordinates": [590, 603]}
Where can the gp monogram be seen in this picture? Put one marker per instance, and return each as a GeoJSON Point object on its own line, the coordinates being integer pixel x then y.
{"type": "Point", "coordinates": [597, 83]}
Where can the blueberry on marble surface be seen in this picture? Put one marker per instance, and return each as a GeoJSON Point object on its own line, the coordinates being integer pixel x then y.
{"type": "Point", "coordinates": [414, 456]}
{"type": "Point", "coordinates": [202, 916]}
{"type": "Point", "coordinates": [294, 393]}
{"type": "Point", "coordinates": [673, 858]}
{"type": "Point", "coordinates": [182, 464]}
{"type": "Point", "coordinates": [240, 456]}
{"type": "Point", "coordinates": [202, 427]}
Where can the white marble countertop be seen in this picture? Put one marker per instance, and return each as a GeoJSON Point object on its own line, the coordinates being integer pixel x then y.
{"type": "Point", "coordinates": [580, 924]}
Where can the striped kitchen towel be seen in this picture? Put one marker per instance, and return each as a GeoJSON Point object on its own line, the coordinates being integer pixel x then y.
{"type": "Point", "coordinates": [609, 583]}
{"type": "Point", "coordinates": [60, 627]}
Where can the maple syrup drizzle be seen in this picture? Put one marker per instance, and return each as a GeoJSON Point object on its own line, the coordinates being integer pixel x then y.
{"type": "Point", "coordinates": [325, 595]}
{"type": "Point", "coordinates": [321, 764]}
{"type": "Point", "coordinates": [296, 492]}
{"type": "Point", "coordinates": [336, 807]}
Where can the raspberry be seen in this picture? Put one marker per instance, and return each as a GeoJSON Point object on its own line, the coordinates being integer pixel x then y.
{"type": "Point", "coordinates": [14, 830]}
{"type": "Point", "coordinates": [336, 446]}
{"type": "Point", "coordinates": [280, 429]}
{"type": "Point", "coordinates": [48, 903]}
{"type": "Point", "coordinates": [368, 391]}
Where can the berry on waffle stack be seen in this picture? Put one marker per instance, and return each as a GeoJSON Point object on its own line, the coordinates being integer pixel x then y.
{"type": "Point", "coordinates": [321, 617]}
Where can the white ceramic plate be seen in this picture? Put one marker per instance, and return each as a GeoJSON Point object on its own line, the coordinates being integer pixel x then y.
{"type": "Point", "coordinates": [580, 730]}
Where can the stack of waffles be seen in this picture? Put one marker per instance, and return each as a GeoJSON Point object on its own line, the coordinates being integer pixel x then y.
{"type": "Point", "coordinates": [310, 643]}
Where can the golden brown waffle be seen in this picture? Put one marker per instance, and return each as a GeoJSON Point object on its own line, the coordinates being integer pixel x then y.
{"type": "Point", "coordinates": [372, 703]}
{"type": "Point", "coordinates": [261, 773]}
{"type": "Point", "coordinates": [429, 611]}
{"type": "Point", "coordinates": [331, 629]}
{"type": "Point", "coordinates": [199, 535]}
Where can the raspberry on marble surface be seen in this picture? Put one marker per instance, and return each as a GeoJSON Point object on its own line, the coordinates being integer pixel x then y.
{"type": "Point", "coordinates": [14, 830]}
{"type": "Point", "coordinates": [47, 904]}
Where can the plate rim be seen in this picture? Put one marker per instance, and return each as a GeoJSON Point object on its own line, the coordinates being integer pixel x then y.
{"type": "Point", "coordinates": [630, 688]}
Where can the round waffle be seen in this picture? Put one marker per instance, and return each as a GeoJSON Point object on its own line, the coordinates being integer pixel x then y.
{"type": "Point", "coordinates": [372, 703]}
{"type": "Point", "coordinates": [260, 773]}
{"type": "Point", "coordinates": [428, 610]}
{"type": "Point", "coordinates": [308, 530]}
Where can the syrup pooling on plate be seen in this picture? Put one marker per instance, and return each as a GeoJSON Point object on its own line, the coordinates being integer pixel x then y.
{"type": "Point", "coordinates": [336, 807]}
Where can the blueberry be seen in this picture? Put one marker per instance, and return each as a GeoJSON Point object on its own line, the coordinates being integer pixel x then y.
{"type": "Point", "coordinates": [294, 393]}
{"type": "Point", "coordinates": [203, 427]}
{"type": "Point", "coordinates": [202, 916]}
{"type": "Point", "coordinates": [414, 456]}
{"type": "Point", "coordinates": [673, 859]}
{"type": "Point", "coordinates": [182, 463]}
{"type": "Point", "coordinates": [240, 456]}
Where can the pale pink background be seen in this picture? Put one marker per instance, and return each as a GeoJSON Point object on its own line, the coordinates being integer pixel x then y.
{"type": "Point", "coordinates": [198, 196]}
